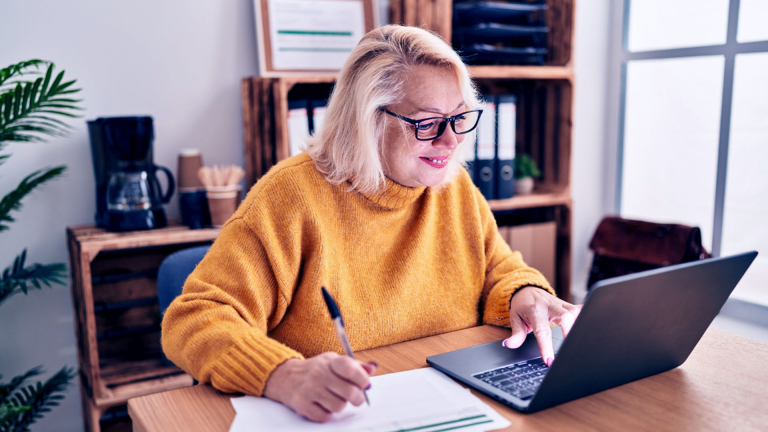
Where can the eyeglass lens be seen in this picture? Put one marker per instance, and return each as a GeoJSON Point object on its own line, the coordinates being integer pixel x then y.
{"type": "Point", "coordinates": [433, 127]}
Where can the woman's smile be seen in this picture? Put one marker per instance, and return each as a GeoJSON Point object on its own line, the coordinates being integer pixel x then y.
{"type": "Point", "coordinates": [436, 161]}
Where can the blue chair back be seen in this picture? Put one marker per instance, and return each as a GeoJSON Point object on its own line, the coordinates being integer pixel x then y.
{"type": "Point", "coordinates": [173, 272]}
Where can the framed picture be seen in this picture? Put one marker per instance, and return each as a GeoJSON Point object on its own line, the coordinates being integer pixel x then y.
{"type": "Point", "coordinates": [309, 36]}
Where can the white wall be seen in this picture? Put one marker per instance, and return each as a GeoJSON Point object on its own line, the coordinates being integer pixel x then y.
{"type": "Point", "coordinates": [593, 160]}
{"type": "Point", "coordinates": [181, 62]}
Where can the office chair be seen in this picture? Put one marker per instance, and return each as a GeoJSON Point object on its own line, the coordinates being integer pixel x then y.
{"type": "Point", "coordinates": [172, 274]}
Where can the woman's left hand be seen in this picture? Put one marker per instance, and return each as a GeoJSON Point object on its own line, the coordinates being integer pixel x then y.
{"type": "Point", "coordinates": [532, 310]}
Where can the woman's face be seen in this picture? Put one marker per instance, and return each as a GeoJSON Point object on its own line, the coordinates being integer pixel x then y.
{"type": "Point", "coordinates": [429, 92]}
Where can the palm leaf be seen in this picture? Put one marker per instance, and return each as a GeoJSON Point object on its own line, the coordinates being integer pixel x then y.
{"type": "Point", "coordinates": [7, 389]}
{"type": "Point", "coordinates": [20, 68]}
{"type": "Point", "coordinates": [12, 201]}
{"type": "Point", "coordinates": [19, 277]}
{"type": "Point", "coordinates": [28, 404]}
{"type": "Point", "coordinates": [29, 99]}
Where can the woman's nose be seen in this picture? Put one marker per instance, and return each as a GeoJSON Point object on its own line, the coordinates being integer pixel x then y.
{"type": "Point", "coordinates": [448, 139]}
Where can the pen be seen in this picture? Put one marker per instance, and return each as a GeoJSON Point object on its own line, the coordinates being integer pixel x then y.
{"type": "Point", "coordinates": [338, 324]}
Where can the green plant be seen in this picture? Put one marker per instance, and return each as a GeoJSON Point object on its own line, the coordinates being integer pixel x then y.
{"type": "Point", "coordinates": [21, 406]}
{"type": "Point", "coordinates": [31, 104]}
{"type": "Point", "coordinates": [525, 166]}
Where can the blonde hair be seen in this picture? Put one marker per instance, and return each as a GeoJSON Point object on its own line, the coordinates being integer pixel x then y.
{"type": "Point", "coordinates": [350, 143]}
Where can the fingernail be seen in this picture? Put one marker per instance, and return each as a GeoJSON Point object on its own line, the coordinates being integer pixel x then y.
{"type": "Point", "coordinates": [504, 343]}
{"type": "Point", "coordinates": [369, 386]}
{"type": "Point", "coordinates": [373, 363]}
{"type": "Point", "coordinates": [549, 361]}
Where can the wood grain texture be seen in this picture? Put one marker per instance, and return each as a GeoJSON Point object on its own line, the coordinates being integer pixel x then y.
{"type": "Point", "coordinates": [563, 250]}
{"type": "Point", "coordinates": [198, 408]}
{"type": "Point", "coordinates": [424, 14]}
{"type": "Point", "coordinates": [722, 386]}
{"type": "Point", "coordinates": [409, 12]}
{"type": "Point", "coordinates": [250, 126]}
{"type": "Point", "coordinates": [536, 199]}
{"type": "Point", "coordinates": [442, 16]}
{"type": "Point", "coordinates": [270, 143]}
{"type": "Point", "coordinates": [565, 129]}
{"type": "Point", "coordinates": [267, 126]}
{"type": "Point", "coordinates": [94, 240]}
{"type": "Point", "coordinates": [119, 347]}
{"type": "Point", "coordinates": [396, 11]}
{"type": "Point", "coordinates": [522, 72]}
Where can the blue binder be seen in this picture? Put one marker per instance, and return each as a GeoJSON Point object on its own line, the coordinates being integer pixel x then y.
{"type": "Point", "coordinates": [485, 163]}
{"type": "Point", "coordinates": [505, 149]}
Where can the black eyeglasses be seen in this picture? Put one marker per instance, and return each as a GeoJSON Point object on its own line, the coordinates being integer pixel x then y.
{"type": "Point", "coordinates": [430, 128]}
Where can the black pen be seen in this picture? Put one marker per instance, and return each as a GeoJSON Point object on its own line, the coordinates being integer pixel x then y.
{"type": "Point", "coordinates": [338, 324]}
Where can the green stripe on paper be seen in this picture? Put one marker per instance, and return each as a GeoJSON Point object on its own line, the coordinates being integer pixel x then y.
{"type": "Point", "coordinates": [463, 426]}
{"type": "Point", "coordinates": [315, 32]}
{"type": "Point", "coordinates": [317, 49]}
{"type": "Point", "coordinates": [446, 423]}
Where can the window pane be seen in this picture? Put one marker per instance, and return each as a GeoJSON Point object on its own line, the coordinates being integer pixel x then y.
{"type": "Point", "coordinates": [671, 133]}
{"type": "Point", "coordinates": [746, 187]}
{"type": "Point", "coordinates": [664, 24]}
{"type": "Point", "coordinates": [752, 21]}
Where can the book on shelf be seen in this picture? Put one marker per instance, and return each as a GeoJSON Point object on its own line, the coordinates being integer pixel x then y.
{"type": "Point", "coordinates": [305, 118]}
{"type": "Point", "coordinates": [298, 125]}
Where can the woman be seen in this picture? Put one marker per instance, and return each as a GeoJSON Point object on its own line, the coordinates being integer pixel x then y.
{"type": "Point", "coordinates": [381, 213]}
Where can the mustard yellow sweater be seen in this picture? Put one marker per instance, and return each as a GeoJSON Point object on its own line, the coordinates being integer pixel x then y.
{"type": "Point", "coordinates": [402, 264]}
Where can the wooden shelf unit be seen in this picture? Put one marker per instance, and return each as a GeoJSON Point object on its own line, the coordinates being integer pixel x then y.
{"type": "Point", "coordinates": [544, 114]}
{"type": "Point", "coordinates": [117, 317]}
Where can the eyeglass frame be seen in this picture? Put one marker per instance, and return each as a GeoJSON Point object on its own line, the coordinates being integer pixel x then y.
{"type": "Point", "coordinates": [441, 129]}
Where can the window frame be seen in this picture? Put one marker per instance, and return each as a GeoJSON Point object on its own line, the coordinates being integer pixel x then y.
{"type": "Point", "coordinates": [621, 56]}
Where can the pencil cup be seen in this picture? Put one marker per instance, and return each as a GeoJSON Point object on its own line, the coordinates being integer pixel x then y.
{"type": "Point", "coordinates": [222, 203]}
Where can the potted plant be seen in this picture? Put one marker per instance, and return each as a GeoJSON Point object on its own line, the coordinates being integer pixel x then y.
{"type": "Point", "coordinates": [31, 105]}
{"type": "Point", "coordinates": [525, 171]}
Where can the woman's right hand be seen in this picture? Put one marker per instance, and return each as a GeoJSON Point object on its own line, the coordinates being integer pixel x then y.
{"type": "Point", "coordinates": [319, 386]}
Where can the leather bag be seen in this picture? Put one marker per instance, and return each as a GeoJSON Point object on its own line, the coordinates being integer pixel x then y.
{"type": "Point", "coordinates": [625, 246]}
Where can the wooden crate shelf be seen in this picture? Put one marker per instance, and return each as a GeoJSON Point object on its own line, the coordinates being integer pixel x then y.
{"type": "Point", "coordinates": [114, 294]}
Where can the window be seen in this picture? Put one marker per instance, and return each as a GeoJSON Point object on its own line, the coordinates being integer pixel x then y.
{"type": "Point", "coordinates": [693, 124]}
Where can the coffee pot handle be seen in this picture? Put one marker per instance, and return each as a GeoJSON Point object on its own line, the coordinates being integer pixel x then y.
{"type": "Point", "coordinates": [171, 184]}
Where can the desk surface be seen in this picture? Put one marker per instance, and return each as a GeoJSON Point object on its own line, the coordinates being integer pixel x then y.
{"type": "Point", "coordinates": [722, 386]}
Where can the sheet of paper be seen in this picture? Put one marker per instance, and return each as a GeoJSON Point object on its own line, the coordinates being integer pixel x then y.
{"type": "Point", "coordinates": [314, 34]}
{"type": "Point", "coordinates": [423, 399]}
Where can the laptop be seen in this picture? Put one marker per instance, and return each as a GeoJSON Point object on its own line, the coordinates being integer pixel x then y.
{"type": "Point", "coordinates": [629, 328]}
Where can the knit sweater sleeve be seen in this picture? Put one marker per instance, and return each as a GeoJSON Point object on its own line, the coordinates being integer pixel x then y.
{"type": "Point", "coordinates": [505, 270]}
{"type": "Point", "coordinates": [217, 329]}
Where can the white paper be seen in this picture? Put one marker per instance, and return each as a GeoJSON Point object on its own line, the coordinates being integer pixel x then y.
{"type": "Point", "coordinates": [404, 400]}
{"type": "Point", "coordinates": [314, 34]}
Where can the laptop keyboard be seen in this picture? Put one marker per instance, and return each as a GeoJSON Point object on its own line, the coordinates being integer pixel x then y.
{"type": "Point", "coordinates": [520, 379]}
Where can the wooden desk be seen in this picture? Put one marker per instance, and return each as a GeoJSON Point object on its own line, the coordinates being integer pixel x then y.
{"type": "Point", "coordinates": [722, 386]}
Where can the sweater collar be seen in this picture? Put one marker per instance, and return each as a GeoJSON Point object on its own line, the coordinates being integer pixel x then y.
{"type": "Point", "coordinates": [394, 196]}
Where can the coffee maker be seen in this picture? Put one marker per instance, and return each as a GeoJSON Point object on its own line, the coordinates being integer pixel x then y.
{"type": "Point", "coordinates": [128, 194]}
